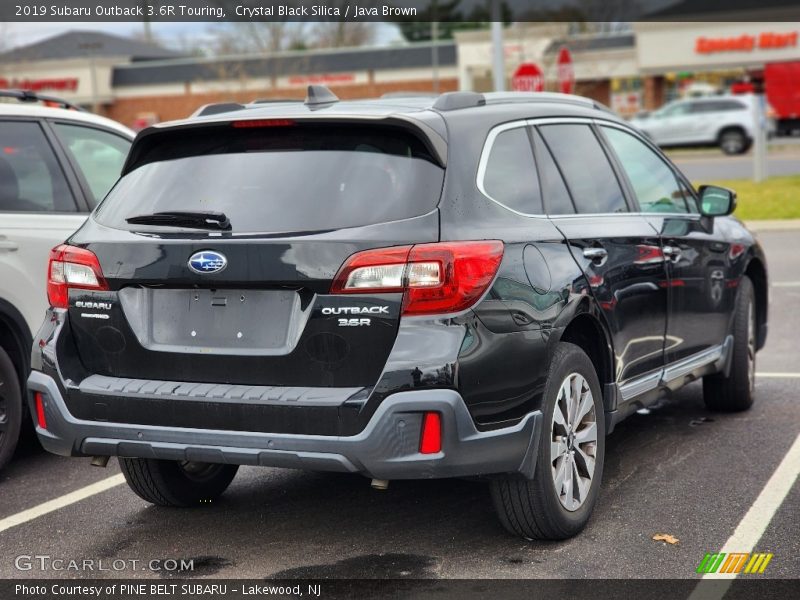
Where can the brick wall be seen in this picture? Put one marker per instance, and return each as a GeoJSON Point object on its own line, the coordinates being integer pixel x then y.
{"type": "Point", "coordinates": [167, 108]}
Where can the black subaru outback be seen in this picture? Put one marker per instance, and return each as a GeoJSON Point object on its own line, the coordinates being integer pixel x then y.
{"type": "Point", "coordinates": [470, 285]}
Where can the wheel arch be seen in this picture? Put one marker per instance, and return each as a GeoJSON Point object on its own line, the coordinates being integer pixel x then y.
{"type": "Point", "coordinates": [756, 271]}
{"type": "Point", "coordinates": [15, 339]}
{"type": "Point", "coordinates": [587, 331]}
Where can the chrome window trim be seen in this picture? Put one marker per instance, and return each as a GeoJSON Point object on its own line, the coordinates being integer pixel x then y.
{"type": "Point", "coordinates": [488, 145]}
{"type": "Point", "coordinates": [600, 122]}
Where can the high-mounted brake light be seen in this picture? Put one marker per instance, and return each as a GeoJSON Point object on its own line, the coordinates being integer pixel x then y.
{"type": "Point", "coordinates": [439, 278]}
{"type": "Point", "coordinates": [72, 268]}
{"type": "Point", "coordinates": [262, 123]}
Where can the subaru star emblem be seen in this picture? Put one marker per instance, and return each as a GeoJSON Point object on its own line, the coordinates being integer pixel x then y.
{"type": "Point", "coordinates": [207, 261]}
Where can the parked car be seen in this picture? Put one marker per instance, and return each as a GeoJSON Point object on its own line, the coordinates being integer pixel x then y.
{"type": "Point", "coordinates": [55, 165]}
{"type": "Point", "coordinates": [471, 285]}
{"type": "Point", "coordinates": [724, 121]}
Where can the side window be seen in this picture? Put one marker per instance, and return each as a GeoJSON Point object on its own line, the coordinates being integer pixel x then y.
{"type": "Point", "coordinates": [510, 176]}
{"type": "Point", "coordinates": [31, 180]}
{"type": "Point", "coordinates": [653, 180]}
{"type": "Point", "coordinates": [591, 180]}
{"type": "Point", "coordinates": [554, 191]}
{"type": "Point", "coordinates": [99, 155]}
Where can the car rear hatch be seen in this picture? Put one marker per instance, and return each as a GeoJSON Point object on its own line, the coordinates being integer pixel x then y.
{"type": "Point", "coordinates": [236, 303]}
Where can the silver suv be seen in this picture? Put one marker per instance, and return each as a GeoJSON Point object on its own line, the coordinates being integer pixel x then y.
{"type": "Point", "coordinates": [55, 165]}
{"type": "Point", "coordinates": [724, 121]}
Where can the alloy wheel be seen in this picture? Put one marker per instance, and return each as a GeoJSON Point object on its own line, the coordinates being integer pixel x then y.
{"type": "Point", "coordinates": [573, 446]}
{"type": "Point", "coordinates": [751, 347]}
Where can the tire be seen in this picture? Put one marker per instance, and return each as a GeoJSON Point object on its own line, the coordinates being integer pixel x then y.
{"type": "Point", "coordinates": [735, 392]}
{"type": "Point", "coordinates": [532, 508]}
{"type": "Point", "coordinates": [174, 483]}
{"type": "Point", "coordinates": [10, 409]}
{"type": "Point", "coordinates": [733, 141]}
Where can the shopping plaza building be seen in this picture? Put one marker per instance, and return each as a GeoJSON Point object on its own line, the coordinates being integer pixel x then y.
{"type": "Point", "coordinates": [629, 68]}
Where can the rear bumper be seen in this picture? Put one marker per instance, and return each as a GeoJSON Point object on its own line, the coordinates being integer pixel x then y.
{"type": "Point", "coordinates": [387, 448]}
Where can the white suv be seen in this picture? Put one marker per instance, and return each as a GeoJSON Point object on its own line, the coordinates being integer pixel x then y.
{"type": "Point", "coordinates": [55, 165]}
{"type": "Point", "coordinates": [724, 121]}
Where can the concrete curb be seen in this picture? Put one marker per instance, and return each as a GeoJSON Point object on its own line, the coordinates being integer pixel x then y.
{"type": "Point", "coordinates": [774, 225]}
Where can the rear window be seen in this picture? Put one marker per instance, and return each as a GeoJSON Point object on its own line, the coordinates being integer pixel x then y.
{"type": "Point", "coordinates": [280, 179]}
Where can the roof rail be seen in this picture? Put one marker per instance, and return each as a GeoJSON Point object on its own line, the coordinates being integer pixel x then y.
{"type": "Point", "coordinates": [31, 96]}
{"type": "Point", "coordinates": [458, 100]}
{"type": "Point", "coordinates": [215, 109]}
{"type": "Point", "coordinates": [320, 95]}
{"type": "Point", "coordinates": [499, 97]}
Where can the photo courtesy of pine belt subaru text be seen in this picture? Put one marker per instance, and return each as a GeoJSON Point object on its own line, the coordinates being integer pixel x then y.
{"type": "Point", "coordinates": [407, 288]}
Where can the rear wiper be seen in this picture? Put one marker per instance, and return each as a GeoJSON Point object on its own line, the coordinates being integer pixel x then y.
{"type": "Point", "coordinates": [179, 218]}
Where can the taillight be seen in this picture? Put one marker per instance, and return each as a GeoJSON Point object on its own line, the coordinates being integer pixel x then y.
{"type": "Point", "coordinates": [72, 268]}
{"type": "Point", "coordinates": [437, 278]}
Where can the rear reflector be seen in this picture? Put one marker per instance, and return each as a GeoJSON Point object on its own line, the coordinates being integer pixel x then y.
{"type": "Point", "coordinates": [431, 440]}
{"type": "Point", "coordinates": [439, 278]}
{"type": "Point", "coordinates": [72, 268]}
{"type": "Point", "coordinates": [41, 421]}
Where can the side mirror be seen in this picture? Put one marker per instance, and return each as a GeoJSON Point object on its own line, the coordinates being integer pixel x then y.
{"type": "Point", "coordinates": [716, 201]}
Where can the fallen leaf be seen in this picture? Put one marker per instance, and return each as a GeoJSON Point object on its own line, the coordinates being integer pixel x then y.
{"type": "Point", "coordinates": [665, 537]}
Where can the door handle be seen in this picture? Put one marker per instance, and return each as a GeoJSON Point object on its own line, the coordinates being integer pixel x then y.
{"type": "Point", "coordinates": [8, 245]}
{"type": "Point", "coordinates": [596, 255]}
{"type": "Point", "coordinates": [672, 252]}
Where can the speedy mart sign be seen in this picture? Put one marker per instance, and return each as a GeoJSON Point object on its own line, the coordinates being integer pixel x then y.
{"type": "Point", "coordinates": [669, 47]}
{"type": "Point", "coordinates": [746, 42]}
{"type": "Point", "coordinates": [67, 84]}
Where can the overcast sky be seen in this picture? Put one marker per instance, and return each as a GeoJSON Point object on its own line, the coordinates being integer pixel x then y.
{"type": "Point", "coordinates": [20, 34]}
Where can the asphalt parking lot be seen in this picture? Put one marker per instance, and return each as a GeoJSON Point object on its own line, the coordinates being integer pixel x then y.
{"type": "Point", "coordinates": [709, 164]}
{"type": "Point", "coordinates": [679, 470]}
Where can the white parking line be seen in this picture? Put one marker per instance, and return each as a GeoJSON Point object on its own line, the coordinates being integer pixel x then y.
{"type": "Point", "coordinates": [60, 502]}
{"type": "Point", "coordinates": [785, 284]}
{"type": "Point", "coordinates": [777, 375]}
{"type": "Point", "coordinates": [754, 523]}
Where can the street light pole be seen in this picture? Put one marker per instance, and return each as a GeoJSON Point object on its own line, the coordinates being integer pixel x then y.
{"type": "Point", "coordinates": [91, 47]}
{"type": "Point", "coordinates": [498, 65]}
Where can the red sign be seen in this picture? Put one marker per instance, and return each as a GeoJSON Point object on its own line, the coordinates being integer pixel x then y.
{"type": "Point", "coordinates": [566, 74]}
{"type": "Point", "coordinates": [41, 85]}
{"type": "Point", "coordinates": [528, 78]}
{"type": "Point", "coordinates": [746, 43]}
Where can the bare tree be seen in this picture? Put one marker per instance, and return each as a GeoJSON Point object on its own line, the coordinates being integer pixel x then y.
{"type": "Point", "coordinates": [258, 37]}
{"type": "Point", "coordinates": [342, 34]}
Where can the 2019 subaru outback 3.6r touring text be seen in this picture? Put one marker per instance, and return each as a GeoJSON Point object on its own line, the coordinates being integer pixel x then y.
{"type": "Point", "coordinates": [405, 288]}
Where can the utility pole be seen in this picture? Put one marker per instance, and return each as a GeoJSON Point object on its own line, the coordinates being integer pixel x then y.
{"type": "Point", "coordinates": [435, 53]}
{"type": "Point", "coordinates": [759, 137]}
{"type": "Point", "coordinates": [91, 48]}
{"type": "Point", "coordinates": [498, 64]}
{"type": "Point", "coordinates": [148, 34]}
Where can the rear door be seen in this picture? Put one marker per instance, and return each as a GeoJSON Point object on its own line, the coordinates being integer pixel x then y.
{"type": "Point", "coordinates": [39, 208]}
{"type": "Point", "coordinates": [619, 252]}
{"type": "Point", "coordinates": [701, 295]}
{"type": "Point", "coordinates": [250, 304]}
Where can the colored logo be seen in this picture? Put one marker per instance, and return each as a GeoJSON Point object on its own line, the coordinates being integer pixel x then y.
{"type": "Point", "coordinates": [734, 562]}
{"type": "Point", "coordinates": [207, 261]}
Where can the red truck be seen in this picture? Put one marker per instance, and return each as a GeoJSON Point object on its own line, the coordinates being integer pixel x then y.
{"type": "Point", "coordinates": [782, 87]}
